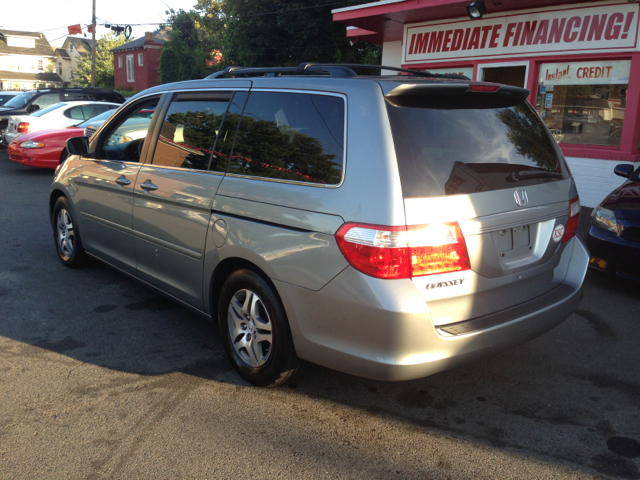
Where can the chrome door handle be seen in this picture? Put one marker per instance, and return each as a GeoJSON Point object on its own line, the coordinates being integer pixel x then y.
{"type": "Point", "coordinates": [123, 181]}
{"type": "Point", "coordinates": [146, 186]}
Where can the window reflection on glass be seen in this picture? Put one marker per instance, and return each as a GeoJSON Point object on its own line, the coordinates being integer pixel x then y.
{"type": "Point", "coordinates": [472, 149]}
{"type": "Point", "coordinates": [189, 131]}
{"type": "Point", "coordinates": [585, 114]}
{"type": "Point", "coordinates": [291, 136]}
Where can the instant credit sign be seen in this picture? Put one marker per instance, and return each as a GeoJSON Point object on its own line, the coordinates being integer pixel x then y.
{"type": "Point", "coordinates": [610, 27]}
{"type": "Point", "coordinates": [610, 72]}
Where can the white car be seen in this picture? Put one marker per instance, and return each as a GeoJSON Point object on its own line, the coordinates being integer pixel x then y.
{"type": "Point", "coordinates": [58, 115]}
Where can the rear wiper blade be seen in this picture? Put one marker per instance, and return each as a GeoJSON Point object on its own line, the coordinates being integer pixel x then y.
{"type": "Point", "coordinates": [527, 174]}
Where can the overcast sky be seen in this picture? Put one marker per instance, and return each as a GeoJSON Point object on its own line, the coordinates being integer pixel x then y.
{"type": "Point", "coordinates": [53, 18]}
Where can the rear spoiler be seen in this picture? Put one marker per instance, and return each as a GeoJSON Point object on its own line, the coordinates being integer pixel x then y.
{"type": "Point", "coordinates": [458, 95]}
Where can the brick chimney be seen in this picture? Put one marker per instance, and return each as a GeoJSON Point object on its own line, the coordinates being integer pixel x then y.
{"type": "Point", "coordinates": [148, 37]}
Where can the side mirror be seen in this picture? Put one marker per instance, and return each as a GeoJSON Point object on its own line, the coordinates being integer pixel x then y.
{"type": "Point", "coordinates": [623, 170]}
{"type": "Point", "coordinates": [78, 146]}
{"type": "Point", "coordinates": [33, 108]}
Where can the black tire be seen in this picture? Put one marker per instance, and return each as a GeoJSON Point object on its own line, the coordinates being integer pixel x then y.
{"type": "Point", "coordinates": [271, 361]}
{"type": "Point", "coordinates": [66, 235]}
{"type": "Point", "coordinates": [63, 156]}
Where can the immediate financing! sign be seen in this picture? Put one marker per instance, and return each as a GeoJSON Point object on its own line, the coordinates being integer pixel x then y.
{"type": "Point", "coordinates": [599, 28]}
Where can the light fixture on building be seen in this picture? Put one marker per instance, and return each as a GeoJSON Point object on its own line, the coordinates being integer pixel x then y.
{"type": "Point", "coordinates": [476, 10]}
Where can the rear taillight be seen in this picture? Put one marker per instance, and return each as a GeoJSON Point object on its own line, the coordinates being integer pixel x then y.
{"type": "Point", "coordinates": [404, 252]}
{"type": "Point", "coordinates": [572, 223]}
{"type": "Point", "coordinates": [23, 127]}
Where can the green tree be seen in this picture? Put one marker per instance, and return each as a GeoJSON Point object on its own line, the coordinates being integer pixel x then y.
{"type": "Point", "coordinates": [283, 32]}
{"type": "Point", "coordinates": [104, 62]}
{"type": "Point", "coordinates": [170, 66]}
{"type": "Point", "coordinates": [192, 38]}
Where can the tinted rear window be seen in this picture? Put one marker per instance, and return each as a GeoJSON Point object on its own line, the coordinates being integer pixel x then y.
{"type": "Point", "coordinates": [291, 136]}
{"type": "Point", "coordinates": [461, 151]}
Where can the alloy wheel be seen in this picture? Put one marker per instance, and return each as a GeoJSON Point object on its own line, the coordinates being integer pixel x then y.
{"type": "Point", "coordinates": [250, 328]}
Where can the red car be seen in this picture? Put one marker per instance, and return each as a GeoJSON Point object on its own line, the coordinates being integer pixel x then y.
{"type": "Point", "coordinates": [47, 148]}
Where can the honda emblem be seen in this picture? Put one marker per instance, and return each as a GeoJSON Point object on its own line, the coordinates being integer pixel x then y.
{"type": "Point", "coordinates": [521, 198]}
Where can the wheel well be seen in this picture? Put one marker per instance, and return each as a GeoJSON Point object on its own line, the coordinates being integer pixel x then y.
{"type": "Point", "coordinates": [55, 195]}
{"type": "Point", "coordinates": [222, 272]}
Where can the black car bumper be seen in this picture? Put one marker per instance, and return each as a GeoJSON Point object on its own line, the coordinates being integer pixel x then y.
{"type": "Point", "coordinates": [620, 256]}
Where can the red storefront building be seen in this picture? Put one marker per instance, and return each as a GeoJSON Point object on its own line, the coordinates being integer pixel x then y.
{"type": "Point", "coordinates": [136, 63]}
{"type": "Point", "coordinates": [581, 62]}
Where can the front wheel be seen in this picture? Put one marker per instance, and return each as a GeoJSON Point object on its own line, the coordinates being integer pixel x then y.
{"type": "Point", "coordinates": [66, 235]}
{"type": "Point", "coordinates": [255, 331]}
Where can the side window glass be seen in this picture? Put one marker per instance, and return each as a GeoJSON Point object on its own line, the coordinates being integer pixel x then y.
{"type": "Point", "coordinates": [126, 137]}
{"type": "Point", "coordinates": [43, 101]}
{"type": "Point", "coordinates": [189, 130]}
{"type": "Point", "coordinates": [75, 96]}
{"type": "Point", "coordinates": [291, 136]}
{"type": "Point", "coordinates": [75, 113]}
{"type": "Point", "coordinates": [224, 143]}
{"type": "Point", "coordinates": [90, 111]}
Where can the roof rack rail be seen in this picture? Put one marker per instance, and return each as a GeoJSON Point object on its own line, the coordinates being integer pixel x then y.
{"type": "Point", "coordinates": [339, 70]}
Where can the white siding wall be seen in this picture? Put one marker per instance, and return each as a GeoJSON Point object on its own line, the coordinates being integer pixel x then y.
{"type": "Point", "coordinates": [594, 178]}
{"type": "Point", "coordinates": [391, 55]}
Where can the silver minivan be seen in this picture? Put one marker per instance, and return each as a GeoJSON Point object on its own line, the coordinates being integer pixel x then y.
{"type": "Point", "coordinates": [385, 226]}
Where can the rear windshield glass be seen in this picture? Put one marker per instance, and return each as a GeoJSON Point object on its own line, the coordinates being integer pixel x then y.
{"type": "Point", "coordinates": [461, 151]}
{"type": "Point", "coordinates": [51, 108]}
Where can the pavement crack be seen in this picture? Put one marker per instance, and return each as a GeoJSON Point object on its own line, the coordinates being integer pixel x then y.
{"type": "Point", "coordinates": [74, 368]}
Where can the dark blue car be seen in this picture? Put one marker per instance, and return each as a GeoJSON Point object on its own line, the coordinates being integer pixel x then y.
{"type": "Point", "coordinates": [614, 229]}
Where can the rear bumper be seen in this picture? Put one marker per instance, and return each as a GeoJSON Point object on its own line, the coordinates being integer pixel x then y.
{"type": "Point", "coordinates": [9, 137]}
{"type": "Point", "coordinates": [382, 329]}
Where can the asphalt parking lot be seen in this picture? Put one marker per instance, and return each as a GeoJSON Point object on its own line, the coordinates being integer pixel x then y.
{"type": "Point", "coordinates": [101, 377]}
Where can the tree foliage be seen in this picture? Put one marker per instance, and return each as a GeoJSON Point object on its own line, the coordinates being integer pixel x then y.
{"type": "Point", "coordinates": [192, 38]}
{"type": "Point", "coordinates": [283, 32]}
{"type": "Point", "coordinates": [260, 33]}
{"type": "Point", "coordinates": [104, 62]}
{"type": "Point", "coordinates": [170, 66]}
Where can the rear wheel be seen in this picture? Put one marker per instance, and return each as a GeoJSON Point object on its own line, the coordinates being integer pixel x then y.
{"type": "Point", "coordinates": [255, 330]}
{"type": "Point", "coordinates": [66, 235]}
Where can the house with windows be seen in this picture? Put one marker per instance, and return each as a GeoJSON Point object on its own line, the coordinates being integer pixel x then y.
{"type": "Point", "coordinates": [68, 57]}
{"type": "Point", "coordinates": [26, 61]}
{"type": "Point", "coordinates": [136, 64]}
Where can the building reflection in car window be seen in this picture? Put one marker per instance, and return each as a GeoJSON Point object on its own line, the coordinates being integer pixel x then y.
{"type": "Point", "coordinates": [189, 130]}
{"type": "Point", "coordinates": [500, 148]}
{"type": "Point", "coordinates": [125, 143]}
{"type": "Point", "coordinates": [291, 136]}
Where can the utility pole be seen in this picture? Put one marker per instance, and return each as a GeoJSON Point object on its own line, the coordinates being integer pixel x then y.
{"type": "Point", "coordinates": [93, 45]}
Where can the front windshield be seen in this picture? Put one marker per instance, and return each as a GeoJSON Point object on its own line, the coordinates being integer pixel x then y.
{"type": "Point", "coordinates": [19, 100]}
{"type": "Point", "coordinates": [50, 108]}
{"type": "Point", "coordinates": [102, 116]}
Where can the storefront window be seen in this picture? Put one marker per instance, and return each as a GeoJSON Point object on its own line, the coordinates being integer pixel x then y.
{"type": "Point", "coordinates": [583, 102]}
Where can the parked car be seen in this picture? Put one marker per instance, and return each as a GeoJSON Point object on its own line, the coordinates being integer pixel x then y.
{"type": "Point", "coordinates": [58, 115]}
{"type": "Point", "coordinates": [5, 96]}
{"type": "Point", "coordinates": [28, 102]}
{"type": "Point", "coordinates": [390, 227]}
{"type": "Point", "coordinates": [47, 148]}
{"type": "Point", "coordinates": [614, 229]}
